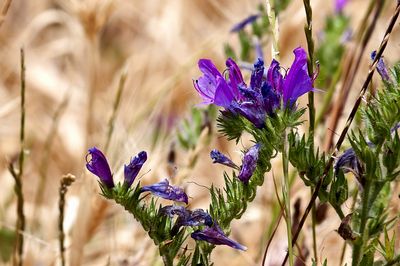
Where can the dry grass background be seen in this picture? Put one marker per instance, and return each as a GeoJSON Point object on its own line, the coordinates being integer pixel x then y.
{"type": "Point", "coordinates": [78, 50]}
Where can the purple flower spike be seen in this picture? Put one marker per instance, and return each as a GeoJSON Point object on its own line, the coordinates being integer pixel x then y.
{"type": "Point", "coordinates": [297, 81]}
{"type": "Point", "coordinates": [164, 190]}
{"type": "Point", "coordinates": [218, 157]}
{"type": "Point", "coordinates": [381, 67]}
{"type": "Point", "coordinates": [249, 163]}
{"type": "Point", "coordinates": [339, 5]}
{"type": "Point", "coordinates": [216, 236]}
{"type": "Point", "coordinates": [98, 165]}
{"type": "Point", "coordinates": [243, 23]}
{"type": "Point", "coordinates": [132, 169]}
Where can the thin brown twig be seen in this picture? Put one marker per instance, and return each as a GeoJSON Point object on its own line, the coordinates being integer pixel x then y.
{"type": "Point", "coordinates": [17, 175]}
{"type": "Point", "coordinates": [348, 122]}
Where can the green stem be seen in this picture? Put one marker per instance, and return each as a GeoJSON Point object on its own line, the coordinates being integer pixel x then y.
{"type": "Point", "coordinates": [363, 238]}
{"type": "Point", "coordinates": [286, 196]}
{"type": "Point", "coordinates": [313, 226]}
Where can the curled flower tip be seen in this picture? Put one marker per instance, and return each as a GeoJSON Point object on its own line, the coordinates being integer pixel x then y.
{"type": "Point", "coordinates": [339, 5]}
{"type": "Point", "coordinates": [164, 190]}
{"type": "Point", "coordinates": [349, 162]}
{"type": "Point", "coordinates": [132, 169]}
{"type": "Point", "coordinates": [98, 165]}
{"type": "Point", "coordinates": [239, 26]}
{"type": "Point", "coordinates": [249, 163]}
{"type": "Point", "coordinates": [216, 236]}
{"type": "Point", "coordinates": [381, 67]}
{"type": "Point", "coordinates": [218, 157]}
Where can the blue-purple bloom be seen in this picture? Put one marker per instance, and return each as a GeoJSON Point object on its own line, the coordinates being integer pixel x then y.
{"type": "Point", "coordinates": [218, 157]}
{"type": "Point", "coordinates": [348, 161]}
{"type": "Point", "coordinates": [216, 236]}
{"type": "Point", "coordinates": [239, 26]}
{"type": "Point", "coordinates": [132, 169]}
{"type": "Point", "coordinates": [339, 5]}
{"type": "Point", "coordinates": [164, 190]}
{"type": "Point", "coordinates": [381, 67]}
{"type": "Point", "coordinates": [98, 165]}
{"type": "Point", "coordinates": [249, 163]}
{"type": "Point", "coordinates": [187, 217]}
{"type": "Point", "coordinates": [265, 93]}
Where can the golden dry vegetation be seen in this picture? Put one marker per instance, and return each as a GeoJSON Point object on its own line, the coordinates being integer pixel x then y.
{"type": "Point", "coordinates": [76, 52]}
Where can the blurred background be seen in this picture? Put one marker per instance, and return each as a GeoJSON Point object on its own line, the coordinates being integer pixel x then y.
{"type": "Point", "coordinates": [78, 53]}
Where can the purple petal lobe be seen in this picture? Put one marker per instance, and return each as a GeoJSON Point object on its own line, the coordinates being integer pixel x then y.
{"type": "Point", "coordinates": [339, 5]}
{"type": "Point", "coordinates": [249, 163]}
{"type": "Point", "coordinates": [216, 236]}
{"type": "Point", "coordinates": [164, 190]}
{"type": "Point", "coordinates": [274, 77]}
{"type": "Point", "coordinates": [212, 86]}
{"type": "Point", "coordinates": [98, 165]}
{"type": "Point", "coordinates": [218, 157]}
{"type": "Point", "coordinates": [297, 81]}
{"type": "Point", "coordinates": [132, 169]}
{"type": "Point", "coordinates": [235, 78]}
{"type": "Point", "coordinates": [257, 75]}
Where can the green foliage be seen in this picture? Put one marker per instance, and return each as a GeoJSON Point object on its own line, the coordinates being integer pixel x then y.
{"type": "Point", "coordinates": [331, 48]}
{"type": "Point", "coordinates": [7, 242]}
{"type": "Point", "coordinates": [190, 129]}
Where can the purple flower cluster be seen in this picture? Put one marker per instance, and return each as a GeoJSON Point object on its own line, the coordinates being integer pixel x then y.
{"type": "Point", "coordinates": [98, 165]}
{"type": "Point", "coordinates": [267, 90]}
{"type": "Point", "coordinates": [381, 67]}
{"type": "Point", "coordinates": [249, 162]}
{"type": "Point", "coordinates": [210, 232]}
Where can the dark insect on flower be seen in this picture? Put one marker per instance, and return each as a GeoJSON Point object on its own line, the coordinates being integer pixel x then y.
{"type": "Point", "coordinates": [164, 190]}
{"type": "Point", "coordinates": [98, 165]}
{"type": "Point", "coordinates": [132, 169]}
{"type": "Point", "coordinates": [249, 163]}
{"type": "Point", "coordinates": [216, 236]}
{"type": "Point", "coordinates": [218, 157]}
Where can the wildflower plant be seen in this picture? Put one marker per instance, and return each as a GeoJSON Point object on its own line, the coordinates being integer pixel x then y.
{"type": "Point", "coordinates": [266, 107]}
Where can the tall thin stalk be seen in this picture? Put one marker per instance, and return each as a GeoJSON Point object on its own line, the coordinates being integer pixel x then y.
{"type": "Point", "coordinates": [286, 196]}
{"type": "Point", "coordinates": [17, 175]}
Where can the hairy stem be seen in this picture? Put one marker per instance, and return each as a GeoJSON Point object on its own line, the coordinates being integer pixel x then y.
{"type": "Point", "coordinates": [286, 197]}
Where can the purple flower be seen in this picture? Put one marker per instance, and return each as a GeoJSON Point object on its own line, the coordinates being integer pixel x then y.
{"type": "Point", "coordinates": [381, 67]}
{"type": "Point", "coordinates": [164, 190]}
{"type": "Point", "coordinates": [98, 165]}
{"type": "Point", "coordinates": [243, 23]}
{"type": "Point", "coordinates": [216, 236]}
{"type": "Point", "coordinates": [132, 169]}
{"type": "Point", "coordinates": [339, 5]}
{"type": "Point", "coordinates": [348, 161]}
{"type": "Point", "coordinates": [218, 157]}
{"type": "Point", "coordinates": [265, 93]}
{"type": "Point", "coordinates": [212, 86]}
{"type": "Point", "coordinates": [297, 82]}
{"type": "Point", "coordinates": [249, 163]}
